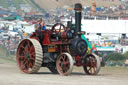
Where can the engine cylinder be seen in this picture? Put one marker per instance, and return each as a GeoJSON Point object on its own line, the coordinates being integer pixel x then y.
{"type": "Point", "coordinates": [66, 35]}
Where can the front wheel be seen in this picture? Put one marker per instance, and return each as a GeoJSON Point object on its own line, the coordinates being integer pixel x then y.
{"type": "Point", "coordinates": [64, 64]}
{"type": "Point", "coordinates": [92, 64]}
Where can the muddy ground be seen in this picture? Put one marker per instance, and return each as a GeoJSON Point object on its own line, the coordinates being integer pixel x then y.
{"type": "Point", "coordinates": [10, 75]}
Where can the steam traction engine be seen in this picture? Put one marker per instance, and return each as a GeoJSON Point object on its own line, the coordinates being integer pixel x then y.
{"type": "Point", "coordinates": [57, 49]}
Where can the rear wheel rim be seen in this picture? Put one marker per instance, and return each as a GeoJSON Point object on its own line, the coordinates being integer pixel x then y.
{"type": "Point", "coordinates": [27, 56]}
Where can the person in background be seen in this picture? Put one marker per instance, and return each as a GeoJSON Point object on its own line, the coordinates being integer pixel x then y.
{"type": "Point", "coordinates": [40, 25]}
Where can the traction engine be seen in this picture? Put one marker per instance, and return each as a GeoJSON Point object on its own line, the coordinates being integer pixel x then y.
{"type": "Point", "coordinates": [58, 49]}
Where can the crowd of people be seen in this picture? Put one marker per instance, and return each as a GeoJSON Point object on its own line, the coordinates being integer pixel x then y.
{"type": "Point", "coordinates": [10, 41]}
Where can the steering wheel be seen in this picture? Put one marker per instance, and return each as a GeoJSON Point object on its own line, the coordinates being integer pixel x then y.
{"type": "Point", "coordinates": [58, 27]}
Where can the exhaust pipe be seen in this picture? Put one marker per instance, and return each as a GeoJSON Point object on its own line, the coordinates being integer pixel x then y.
{"type": "Point", "coordinates": [78, 9]}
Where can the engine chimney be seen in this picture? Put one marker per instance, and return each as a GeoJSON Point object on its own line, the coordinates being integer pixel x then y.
{"type": "Point", "coordinates": [78, 8]}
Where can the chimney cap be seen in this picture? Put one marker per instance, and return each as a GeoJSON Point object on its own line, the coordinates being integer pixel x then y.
{"type": "Point", "coordinates": [78, 7]}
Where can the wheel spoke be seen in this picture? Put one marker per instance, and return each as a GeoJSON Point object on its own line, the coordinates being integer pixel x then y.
{"type": "Point", "coordinates": [60, 29]}
{"type": "Point", "coordinates": [22, 66]}
{"type": "Point", "coordinates": [91, 63]}
{"type": "Point", "coordinates": [22, 47]}
{"type": "Point", "coordinates": [94, 69]}
{"type": "Point", "coordinates": [88, 68]}
{"type": "Point", "coordinates": [66, 68]}
{"type": "Point", "coordinates": [60, 66]}
{"type": "Point", "coordinates": [28, 46]}
{"type": "Point", "coordinates": [33, 58]}
{"type": "Point", "coordinates": [64, 57]}
{"type": "Point", "coordinates": [30, 64]}
{"type": "Point", "coordinates": [32, 55]}
{"type": "Point", "coordinates": [26, 62]}
{"type": "Point", "coordinates": [21, 57]}
{"type": "Point", "coordinates": [32, 49]}
{"type": "Point", "coordinates": [91, 70]}
{"type": "Point", "coordinates": [24, 59]}
{"type": "Point", "coordinates": [26, 49]}
{"type": "Point", "coordinates": [66, 62]}
{"type": "Point", "coordinates": [23, 52]}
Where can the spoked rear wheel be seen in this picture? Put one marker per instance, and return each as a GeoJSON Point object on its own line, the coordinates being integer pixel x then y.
{"type": "Point", "coordinates": [64, 64]}
{"type": "Point", "coordinates": [93, 65]}
{"type": "Point", "coordinates": [29, 56]}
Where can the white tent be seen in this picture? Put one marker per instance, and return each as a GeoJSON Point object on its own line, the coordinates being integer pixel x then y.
{"type": "Point", "coordinates": [105, 26]}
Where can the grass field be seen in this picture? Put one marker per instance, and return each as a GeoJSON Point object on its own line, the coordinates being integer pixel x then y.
{"type": "Point", "coordinates": [8, 3]}
{"type": "Point", "coordinates": [4, 3]}
{"type": "Point", "coordinates": [16, 3]}
{"type": "Point", "coordinates": [30, 3]}
{"type": "Point", "coordinates": [48, 4]}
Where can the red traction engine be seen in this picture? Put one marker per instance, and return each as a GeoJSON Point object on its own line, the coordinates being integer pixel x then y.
{"type": "Point", "coordinates": [58, 49]}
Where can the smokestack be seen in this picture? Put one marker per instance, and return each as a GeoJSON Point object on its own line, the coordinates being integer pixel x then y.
{"type": "Point", "coordinates": [78, 8]}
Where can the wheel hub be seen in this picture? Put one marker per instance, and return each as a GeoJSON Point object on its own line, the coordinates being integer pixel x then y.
{"type": "Point", "coordinates": [27, 56]}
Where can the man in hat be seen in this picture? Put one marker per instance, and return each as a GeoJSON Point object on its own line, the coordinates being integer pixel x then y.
{"type": "Point", "coordinates": [40, 25]}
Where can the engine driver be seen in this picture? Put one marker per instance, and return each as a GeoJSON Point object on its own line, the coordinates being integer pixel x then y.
{"type": "Point", "coordinates": [38, 27]}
